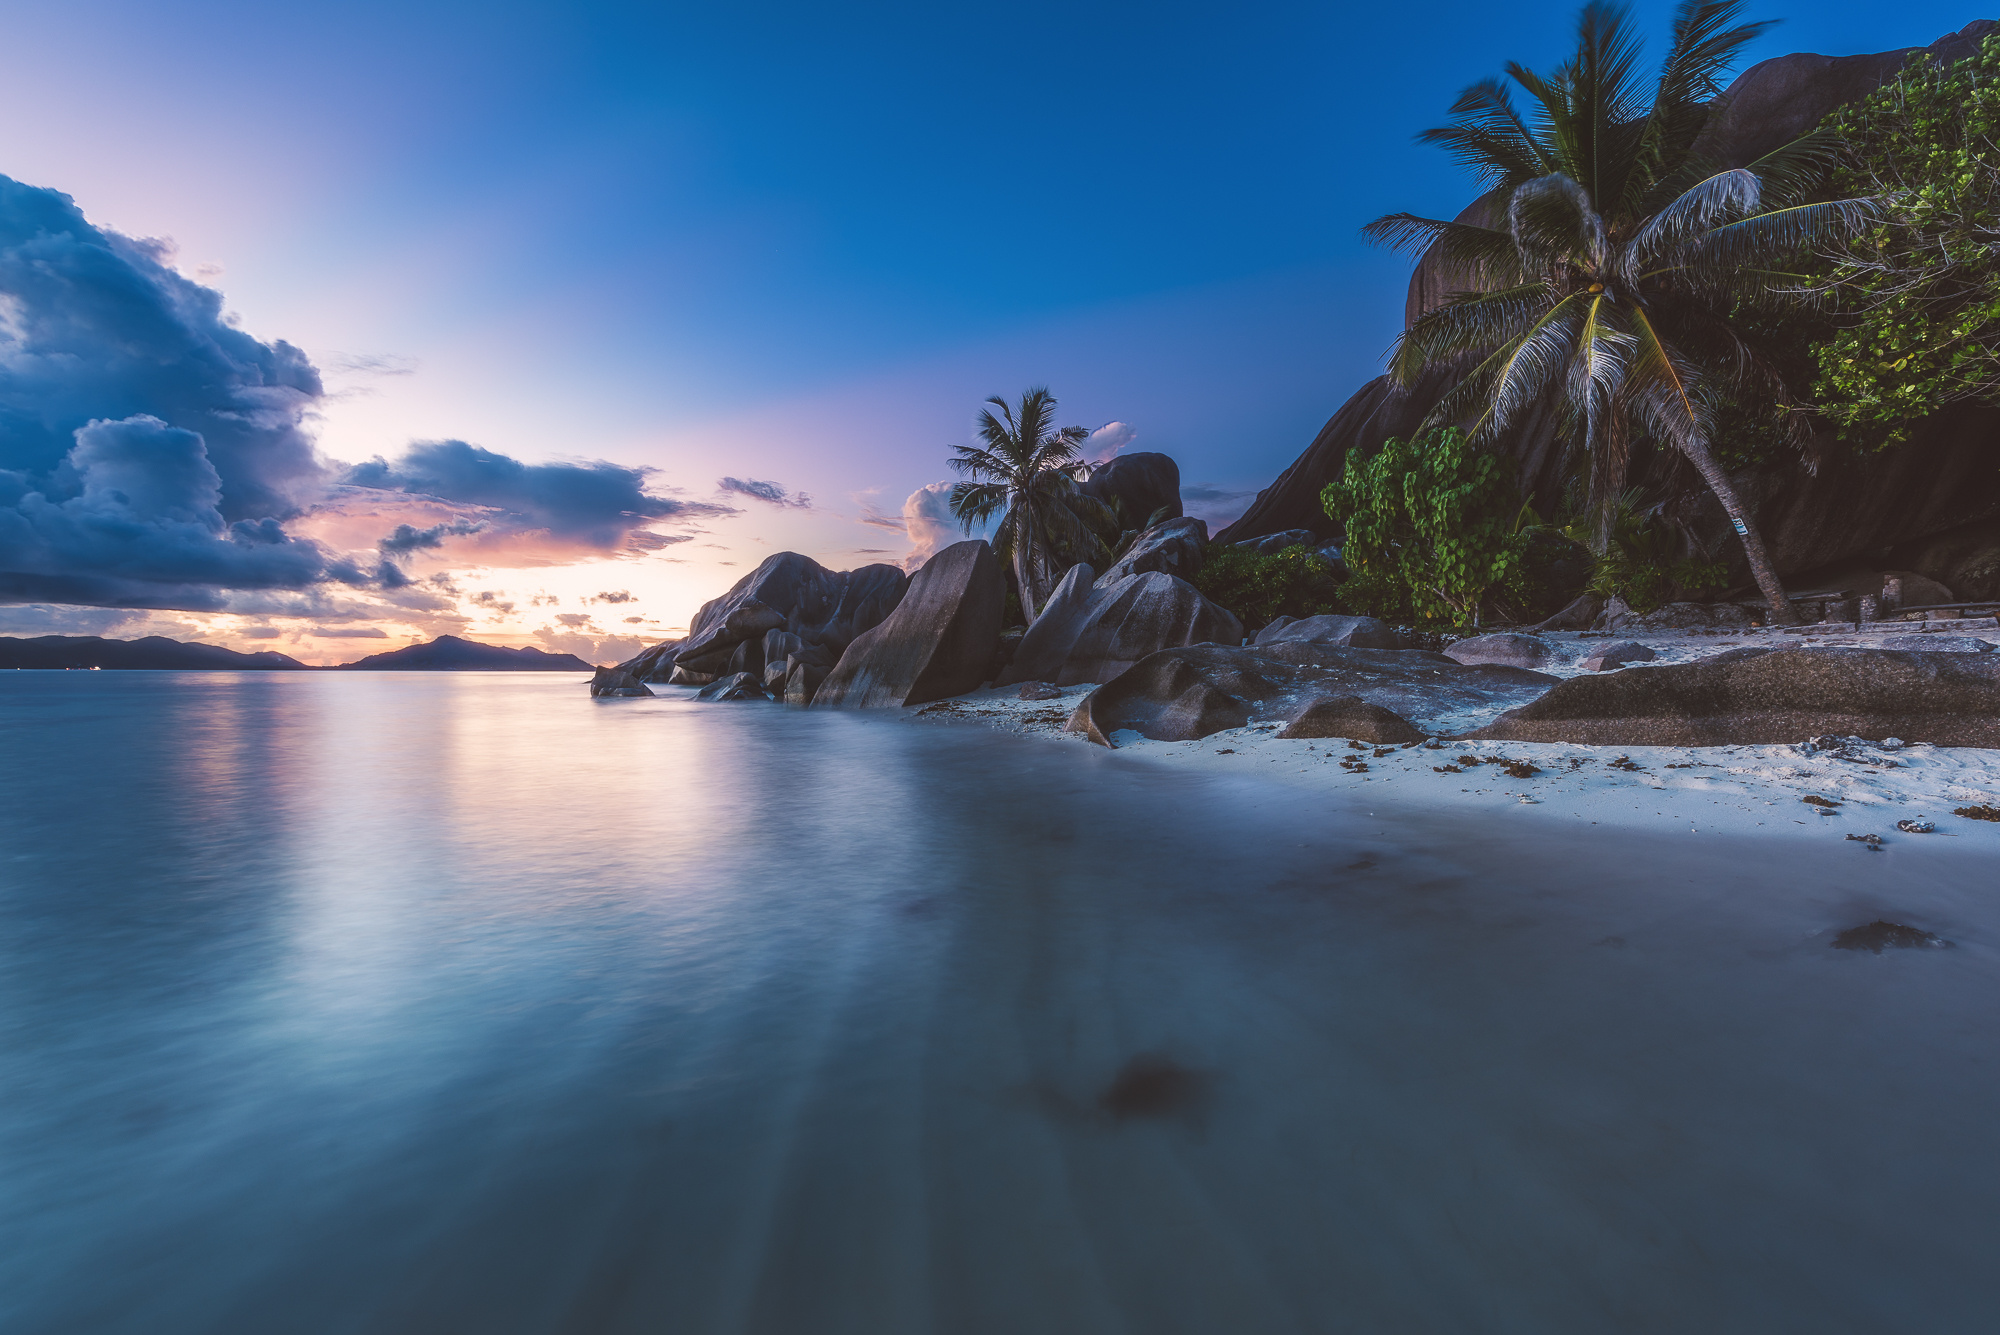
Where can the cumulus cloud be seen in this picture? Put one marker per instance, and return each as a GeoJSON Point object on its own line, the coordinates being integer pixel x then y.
{"type": "Point", "coordinates": [1216, 504]}
{"type": "Point", "coordinates": [768, 492]}
{"type": "Point", "coordinates": [575, 507]}
{"type": "Point", "coordinates": [132, 517]}
{"type": "Point", "coordinates": [931, 527]}
{"type": "Point", "coordinates": [1102, 445]}
{"type": "Point", "coordinates": [407, 539]}
{"type": "Point", "coordinates": [95, 326]}
{"type": "Point", "coordinates": [617, 596]}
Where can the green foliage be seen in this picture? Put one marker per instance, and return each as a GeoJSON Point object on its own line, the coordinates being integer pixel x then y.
{"type": "Point", "coordinates": [1294, 582]}
{"type": "Point", "coordinates": [1919, 293]}
{"type": "Point", "coordinates": [1638, 563]}
{"type": "Point", "coordinates": [1432, 524]}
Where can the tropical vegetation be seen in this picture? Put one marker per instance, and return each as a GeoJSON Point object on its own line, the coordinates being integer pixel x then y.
{"type": "Point", "coordinates": [1609, 264]}
{"type": "Point", "coordinates": [1260, 587]}
{"type": "Point", "coordinates": [1025, 471]}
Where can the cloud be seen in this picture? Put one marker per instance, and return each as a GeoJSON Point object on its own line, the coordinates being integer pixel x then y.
{"type": "Point", "coordinates": [132, 517]}
{"type": "Point", "coordinates": [1213, 503]}
{"type": "Point", "coordinates": [348, 633]}
{"type": "Point", "coordinates": [407, 539]}
{"type": "Point", "coordinates": [374, 363]}
{"type": "Point", "coordinates": [768, 492]}
{"type": "Point", "coordinates": [573, 508]}
{"type": "Point", "coordinates": [619, 596]}
{"type": "Point", "coordinates": [1103, 444]}
{"type": "Point", "coordinates": [928, 521]}
{"type": "Point", "coordinates": [95, 326]}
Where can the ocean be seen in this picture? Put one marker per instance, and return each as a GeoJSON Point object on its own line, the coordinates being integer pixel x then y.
{"type": "Point", "coordinates": [435, 1003]}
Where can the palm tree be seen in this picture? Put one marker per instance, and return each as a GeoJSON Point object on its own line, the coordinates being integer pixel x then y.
{"type": "Point", "coordinates": [1027, 472]}
{"type": "Point", "coordinates": [1617, 257]}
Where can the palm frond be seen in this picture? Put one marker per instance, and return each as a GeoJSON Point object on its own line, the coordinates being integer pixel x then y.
{"type": "Point", "coordinates": [1777, 235]}
{"type": "Point", "coordinates": [1472, 323]}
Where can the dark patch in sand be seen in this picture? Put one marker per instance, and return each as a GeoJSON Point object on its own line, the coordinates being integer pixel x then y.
{"type": "Point", "coordinates": [1883, 935]}
{"type": "Point", "coordinates": [1154, 1086]}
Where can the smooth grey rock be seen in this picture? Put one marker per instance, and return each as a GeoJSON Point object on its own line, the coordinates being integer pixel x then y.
{"type": "Point", "coordinates": [1616, 654]}
{"type": "Point", "coordinates": [1613, 616]}
{"type": "Point", "coordinates": [1945, 699]}
{"type": "Point", "coordinates": [1509, 647]}
{"type": "Point", "coordinates": [1737, 655]}
{"type": "Point", "coordinates": [680, 676]}
{"type": "Point", "coordinates": [803, 683]}
{"type": "Point", "coordinates": [938, 642]}
{"type": "Point", "coordinates": [1278, 542]}
{"type": "Point", "coordinates": [1352, 717]}
{"type": "Point", "coordinates": [1173, 548]}
{"type": "Point", "coordinates": [1938, 644]}
{"type": "Point", "coordinates": [616, 682]}
{"type": "Point", "coordinates": [1581, 614]}
{"type": "Point", "coordinates": [1092, 631]}
{"type": "Point", "coordinates": [1338, 632]}
{"type": "Point", "coordinates": [1672, 616]}
{"type": "Point", "coordinates": [736, 686]}
{"type": "Point", "coordinates": [1142, 483]}
{"type": "Point", "coordinates": [1037, 690]}
{"type": "Point", "coordinates": [1182, 694]}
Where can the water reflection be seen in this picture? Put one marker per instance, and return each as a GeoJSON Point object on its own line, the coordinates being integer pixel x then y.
{"type": "Point", "coordinates": [410, 1003]}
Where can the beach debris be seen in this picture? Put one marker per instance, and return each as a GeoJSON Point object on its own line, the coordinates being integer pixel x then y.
{"type": "Point", "coordinates": [1873, 841]}
{"type": "Point", "coordinates": [1039, 690]}
{"type": "Point", "coordinates": [1381, 751]}
{"type": "Point", "coordinates": [1883, 935]}
{"type": "Point", "coordinates": [1227, 751]}
{"type": "Point", "coordinates": [1916, 827]}
{"type": "Point", "coordinates": [1446, 769]}
{"type": "Point", "coordinates": [1525, 800]}
{"type": "Point", "coordinates": [1815, 800]}
{"type": "Point", "coordinates": [1977, 813]}
{"type": "Point", "coordinates": [1625, 763]}
{"type": "Point", "coordinates": [1520, 769]}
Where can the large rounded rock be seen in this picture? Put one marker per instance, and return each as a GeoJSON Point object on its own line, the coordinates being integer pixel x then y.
{"type": "Point", "coordinates": [1509, 647]}
{"type": "Point", "coordinates": [1174, 548]}
{"type": "Point", "coordinates": [616, 682]}
{"type": "Point", "coordinates": [1618, 653]}
{"type": "Point", "coordinates": [1142, 484]}
{"type": "Point", "coordinates": [938, 642]}
{"type": "Point", "coordinates": [1340, 632]}
{"type": "Point", "coordinates": [1094, 631]}
{"type": "Point", "coordinates": [1278, 542]}
{"type": "Point", "coordinates": [1352, 717]}
{"type": "Point", "coordinates": [736, 686]}
{"type": "Point", "coordinates": [1788, 696]}
{"type": "Point", "coordinates": [1183, 694]}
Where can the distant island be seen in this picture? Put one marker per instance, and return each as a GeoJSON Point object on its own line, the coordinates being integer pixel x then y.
{"type": "Point", "coordinates": [155, 653]}
{"type": "Point", "coordinates": [448, 653]}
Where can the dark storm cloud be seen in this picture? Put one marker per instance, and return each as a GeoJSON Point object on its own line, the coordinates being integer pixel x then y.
{"type": "Point", "coordinates": [769, 492]}
{"type": "Point", "coordinates": [595, 504]}
{"type": "Point", "coordinates": [132, 517]}
{"type": "Point", "coordinates": [97, 327]}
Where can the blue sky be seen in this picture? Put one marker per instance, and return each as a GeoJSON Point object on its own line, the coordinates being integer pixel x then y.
{"type": "Point", "coordinates": [786, 243]}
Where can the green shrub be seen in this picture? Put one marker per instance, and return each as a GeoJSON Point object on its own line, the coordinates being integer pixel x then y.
{"type": "Point", "coordinates": [1295, 582]}
{"type": "Point", "coordinates": [1432, 525]}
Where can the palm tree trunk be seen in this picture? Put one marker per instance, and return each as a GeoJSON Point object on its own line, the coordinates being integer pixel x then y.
{"type": "Point", "coordinates": [1023, 541]}
{"type": "Point", "coordinates": [1753, 542]}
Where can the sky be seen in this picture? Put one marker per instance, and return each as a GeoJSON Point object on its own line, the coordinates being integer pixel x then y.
{"type": "Point", "coordinates": [544, 323]}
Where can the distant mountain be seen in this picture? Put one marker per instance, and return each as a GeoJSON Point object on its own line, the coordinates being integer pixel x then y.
{"type": "Point", "coordinates": [448, 653]}
{"type": "Point", "coordinates": [155, 652]}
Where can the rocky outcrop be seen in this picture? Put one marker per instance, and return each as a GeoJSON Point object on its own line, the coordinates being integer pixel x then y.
{"type": "Point", "coordinates": [1352, 717]}
{"type": "Point", "coordinates": [1279, 541]}
{"type": "Point", "coordinates": [1938, 644]}
{"type": "Point", "coordinates": [787, 593]}
{"type": "Point", "coordinates": [1094, 631]}
{"type": "Point", "coordinates": [1618, 653]}
{"type": "Point", "coordinates": [1142, 484]}
{"type": "Point", "coordinates": [1512, 649]}
{"type": "Point", "coordinates": [1785, 697]}
{"type": "Point", "coordinates": [1173, 547]}
{"type": "Point", "coordinates": [1337, 632]}
{"type": "Point", "coordinates": [736, 686]}
{"type": "Point", "coordinates": [1850, 507]}
{"type": "Point", "coordinates": [1183, 694]}
{"type": "Point", "coordinates": [938, 642]}
{"type": "Point", "coordinates": [614, 683]}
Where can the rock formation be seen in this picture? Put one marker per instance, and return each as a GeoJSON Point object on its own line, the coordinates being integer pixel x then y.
{"type": "Point", "coordinates": [1949, 699]}
{"type": "Point", "coordinates": [1092, 631]}
{"type": "Point", "coordinates": [1525, 651]}
{"type": "Point", "coordinates": [1183, 694]}
{"type": "Point", "coordinates": [938, 642]}
{"type": "Point", "coordinates": [1336, 632]}
{"type": "Point", "coordinates": [1174, 547]}
{"type": "Point", "coordinates": [1941, 483]}
{"type": "Point", "coordinates": [616, 682]}
{"type": "Point", "coordinates": [1143, 484]}
{"type": "Point", "coordinates": [1351, 717]}
{"type": "Point", "coordinates": [788, 593]}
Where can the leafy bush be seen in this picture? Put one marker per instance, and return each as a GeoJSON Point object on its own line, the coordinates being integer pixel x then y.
{"type": "Point", "coordinates": [1432, 525]}
{"type": "Point", "coordinates": [1295, 582]}
{"type": "Point", "coordinates": [1919, 294]}
{"type": "Point", "coordinates": [1638, 564]}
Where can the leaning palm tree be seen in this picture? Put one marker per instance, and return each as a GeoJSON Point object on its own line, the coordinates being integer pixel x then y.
{"type": "Point", "coordinates": [1026, 472]}
{"type": "Point", "coordinates": [1614, 260]}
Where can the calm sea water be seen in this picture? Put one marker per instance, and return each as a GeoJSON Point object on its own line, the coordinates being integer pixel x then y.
{"type": "Point", "coordinates": [461, 1003]}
